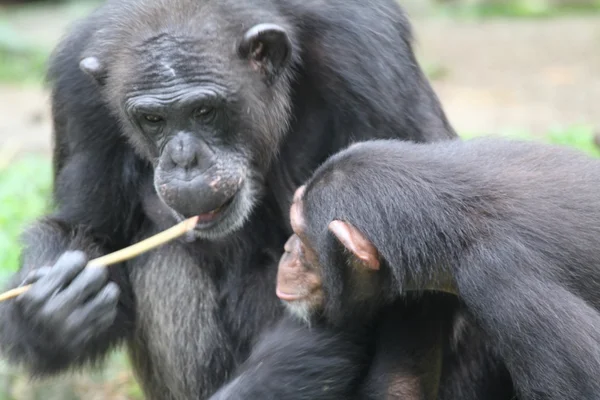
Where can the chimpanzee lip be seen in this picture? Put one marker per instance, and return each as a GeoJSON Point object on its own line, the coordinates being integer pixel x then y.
{"type": "Point", "coordinates": [210, 218]}
{"type": "Point", "coordinates": [288, 296]}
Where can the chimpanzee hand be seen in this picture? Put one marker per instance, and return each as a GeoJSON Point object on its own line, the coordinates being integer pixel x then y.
{"type": "Point", "coordinates": [68, 303]}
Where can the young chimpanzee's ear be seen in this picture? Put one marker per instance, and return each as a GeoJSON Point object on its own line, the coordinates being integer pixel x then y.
{"type": "Point", "coordinates": [268, 48]}
{"type": "Point", "coordinates": [93, 68]}
{"type": "Point", "coordinates": [356, 243]}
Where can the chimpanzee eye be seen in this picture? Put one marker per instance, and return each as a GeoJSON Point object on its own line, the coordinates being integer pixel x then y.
{"type": "Point", "coordinates": [303, 259]}
{"type": "Point", "coordinates": [204, 112]}
{"type": "Point", "coordinates": [153, 119]}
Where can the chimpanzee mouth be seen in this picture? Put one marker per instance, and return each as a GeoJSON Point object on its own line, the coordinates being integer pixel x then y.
{"type": "Point", "coordinates": [210, 218]}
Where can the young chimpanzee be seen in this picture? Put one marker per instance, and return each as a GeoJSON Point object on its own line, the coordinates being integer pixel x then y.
{"type": "Point", "coordinates": [510, 227]}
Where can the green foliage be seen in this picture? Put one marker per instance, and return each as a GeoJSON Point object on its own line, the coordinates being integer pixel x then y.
{"type": "Point", "coordinates": [24, 193]}
{"type": "Point", "coordinates": [580, 137]}
{"type": "Point", "coordinates": [23, 60]}
{"type": "Point", "coordinates": [435, 72]}
{"type": "Point", "coordinates": [19, 60]}
{"type": "Point", "coordinates": [518, 8]}
{"type": "Point", "coordinates": [25, 188]}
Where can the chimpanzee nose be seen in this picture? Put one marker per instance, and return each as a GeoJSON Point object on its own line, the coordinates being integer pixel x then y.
{"type": "Point", "coordinates": [182, 151]}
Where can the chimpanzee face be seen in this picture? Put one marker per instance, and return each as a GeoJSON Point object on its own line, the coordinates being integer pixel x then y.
{"type": "Point", "coordinates": [310, 284]}
{"type": "Point", "coordinates": [209, 116]}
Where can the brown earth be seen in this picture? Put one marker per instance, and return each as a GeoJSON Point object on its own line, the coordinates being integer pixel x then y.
{"type": "Point", "coordinates": [498, 75]}
{"type": "Point", "coordinates": [516, 74]}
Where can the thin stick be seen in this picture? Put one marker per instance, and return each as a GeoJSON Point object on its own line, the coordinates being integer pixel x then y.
{"type": "Point", "coordinates": [127, 253]}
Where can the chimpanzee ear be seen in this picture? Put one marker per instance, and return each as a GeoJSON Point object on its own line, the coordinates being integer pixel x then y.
{"type": "Point", "coordinates": [356, 243]}
{"type": "Point", "coordinates": [94, 68]}
{"type": "Point", "coordinates": [299, 193]}
{"type": "Point", "coordinates": [268, 49]}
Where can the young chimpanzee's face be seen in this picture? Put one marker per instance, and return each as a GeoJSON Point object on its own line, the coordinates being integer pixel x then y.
{"type": "Point", "coordinates": [299, 281]}
{"type": "Point", "coordinates": [309, 283]}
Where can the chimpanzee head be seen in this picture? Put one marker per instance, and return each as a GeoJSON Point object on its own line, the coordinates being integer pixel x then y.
{"type": "Point", "coordinates": [329, 268]}
{"type": "Point", "coordinates": [205, 97]}
{"type": "Point", "coordinates": [364, 235]}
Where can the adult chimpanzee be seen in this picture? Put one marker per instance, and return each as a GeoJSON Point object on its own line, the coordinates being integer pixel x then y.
{"type": "Point", "coordinates": [221, 108]}
{"type": "Point", "coordinates": [511, 227]}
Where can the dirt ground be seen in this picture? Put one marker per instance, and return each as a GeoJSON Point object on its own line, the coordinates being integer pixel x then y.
{"type": "Point", "coordinates": [499, 75]}
{"type": "Point", "coordinates": [516, 74]}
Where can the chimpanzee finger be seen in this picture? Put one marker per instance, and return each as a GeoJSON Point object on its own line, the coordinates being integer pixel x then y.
{"type": "Point", "coordinates": [86, 284]}
{"type": "Point", "coordinates": [94, 311]}
{"type": "Point", "coordinates": [35, 275]}
{"type": "Point", "coordinates": [61, 273]}
{"type": "Point", "coordinates": [93, 329]}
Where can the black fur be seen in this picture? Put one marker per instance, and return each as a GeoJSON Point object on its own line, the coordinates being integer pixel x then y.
{"type": "Point", "coordinates": [189, 312]}
{"type": "Point", "coordinates": [409, 345]}
{"type": "Point", "coordinates": [293, 362]}
{"type": "Point", "coordinates": [511, 227]}
{"type": "Point", "coordinates": [396, 354]}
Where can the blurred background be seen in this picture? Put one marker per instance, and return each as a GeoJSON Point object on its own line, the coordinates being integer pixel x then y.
{"type": "Point", "coordinates": [523, 68]}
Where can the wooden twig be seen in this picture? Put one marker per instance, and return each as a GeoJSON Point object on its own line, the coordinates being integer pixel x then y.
{"type": "Point", "coordinates": [127, 253]}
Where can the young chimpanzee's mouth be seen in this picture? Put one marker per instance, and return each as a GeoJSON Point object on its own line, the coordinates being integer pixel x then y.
{"type": "Point", "coordinates": [211, 217]}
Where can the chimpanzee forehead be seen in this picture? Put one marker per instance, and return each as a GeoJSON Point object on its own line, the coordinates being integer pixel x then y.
{"type": "Point", "coordinates": [297, 218]}
{"type": "Point", "coordinates": [167, 58]}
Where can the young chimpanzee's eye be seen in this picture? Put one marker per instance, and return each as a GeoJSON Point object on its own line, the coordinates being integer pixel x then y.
{"type": "Point", "coordinates": [306, 259]}
{"type": "Point", "coordinates": [154, 119]}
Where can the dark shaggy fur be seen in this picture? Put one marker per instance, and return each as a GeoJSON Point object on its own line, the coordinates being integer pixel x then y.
{"type": "Point", "coordinates": [288, 93]}
{"type": "Point", "coordinates": [511, 227]}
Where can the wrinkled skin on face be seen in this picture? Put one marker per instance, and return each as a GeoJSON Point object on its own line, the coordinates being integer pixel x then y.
{"type": "Point", "coordinates": [206, 114]}
{"type": "Point", "coordinates": [299, 282]}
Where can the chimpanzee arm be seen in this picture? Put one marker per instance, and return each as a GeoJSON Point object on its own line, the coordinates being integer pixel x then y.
{"type": "Point", "coordinates": [409, 344]}
{"type": "Point", "coordinates": [71, 315]}
{"type": "Point", "coordinates": [48, 333]}
{"type": "Point", "coordinates": [472, 368]}
{"type": "Point", "coordinates": [295, 362]}
{"type": "Point", "coordinates": [548, 336]}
